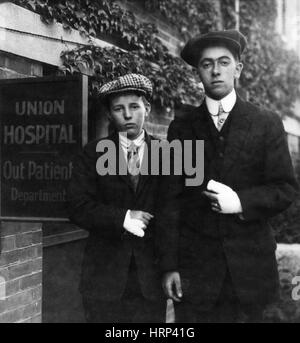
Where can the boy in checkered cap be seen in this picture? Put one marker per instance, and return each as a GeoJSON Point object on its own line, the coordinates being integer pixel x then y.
{"type": "Point", "coordinates": [120, 278]}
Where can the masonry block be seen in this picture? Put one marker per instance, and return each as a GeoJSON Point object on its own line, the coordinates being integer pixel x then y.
{"type": "Point", "coordinates": [8, 243]}
{"type": "Point", "coordinates": [13, 228]}
{"type": "Point", "coordinates": [28, 238]}
{"type": "Point", "coordinates": [20, 272]}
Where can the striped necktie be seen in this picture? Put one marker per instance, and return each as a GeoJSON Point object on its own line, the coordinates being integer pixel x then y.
{"type": "Point", "coordinates": [133, 164]}
{"type": "Point", "coordinates": [222, 116]}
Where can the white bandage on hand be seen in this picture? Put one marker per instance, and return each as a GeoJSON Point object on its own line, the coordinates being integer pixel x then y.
{"type": "Point", "coordinates": [226, 198]}
{"type": "Point", "coordinates": [134, 226]}
{"type": "Point", "coordinates": [217, 187]}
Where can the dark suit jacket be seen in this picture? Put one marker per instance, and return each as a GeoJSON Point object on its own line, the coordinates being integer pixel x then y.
{"type": "Point", "coordinates": [99, 204]}
{"type": "Point", "coordinates": [201, 244]}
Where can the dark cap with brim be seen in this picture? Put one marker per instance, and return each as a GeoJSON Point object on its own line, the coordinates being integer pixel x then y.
{"type": "Point", "coordinates": [233, 39]}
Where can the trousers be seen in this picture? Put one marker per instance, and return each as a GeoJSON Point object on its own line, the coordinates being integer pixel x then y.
{"type": "Point", "coordinates": [133, 307]}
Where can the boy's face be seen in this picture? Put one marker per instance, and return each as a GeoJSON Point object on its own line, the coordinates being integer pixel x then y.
{"type": "Point", "coordinates": [218, 70]}
{"type": "Point", "coordinates": [128, 112]}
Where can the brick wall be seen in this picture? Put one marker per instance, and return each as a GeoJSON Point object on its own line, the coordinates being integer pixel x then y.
{"type": "Point", "coordinates": [166, 33]}
{"type": "Point", "coordinates": [20, 272]}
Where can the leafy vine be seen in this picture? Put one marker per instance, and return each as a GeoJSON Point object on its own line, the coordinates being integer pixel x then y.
{"type": "Point", "coordinates": [271, 74]}
{"type": "Point", "coordinates": [174, 82]}
{"type": "Point", "coordinates": [189, 17]}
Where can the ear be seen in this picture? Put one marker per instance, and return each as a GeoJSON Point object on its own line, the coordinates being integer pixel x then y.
{"type": "Point", "coordinates": [148, 109]}
{"type": "Point", "coordinates": [238, 70]}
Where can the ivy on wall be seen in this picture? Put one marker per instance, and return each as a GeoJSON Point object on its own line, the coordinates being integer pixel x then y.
{"type": "Point", "coordinates": [174, 82]}
{"type": "Point", "coordinates": [99, 18]}
{"type": "Point", "coordinates": [189, 17]}
{"type": "Point", "coordinates": [271, 73]}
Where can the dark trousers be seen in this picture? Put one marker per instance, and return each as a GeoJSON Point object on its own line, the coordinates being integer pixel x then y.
{"type": "Point", "coordinates": [227, 309]}
{"type": "Point", "coordinates": [133, 307]}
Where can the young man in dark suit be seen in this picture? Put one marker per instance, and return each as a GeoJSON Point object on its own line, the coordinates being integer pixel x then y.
{"type": "Point", "coordinates": [217, 249]}
{"type": "Point", "coordinates": [120, 276]}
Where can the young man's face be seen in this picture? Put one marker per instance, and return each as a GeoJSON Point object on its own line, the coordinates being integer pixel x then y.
{"type": "Point", "coordinates": [128, 112]}
{"type": "Point", "coordinates": [218, 69]}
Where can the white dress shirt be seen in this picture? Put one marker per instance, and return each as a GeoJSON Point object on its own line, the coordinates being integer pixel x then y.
{"type": "Point", "coordinates": [139, 142]}
{"type": "Point", "coordinates": [213, 105]}
{"type": "Point", "coordinates": [134, 226]}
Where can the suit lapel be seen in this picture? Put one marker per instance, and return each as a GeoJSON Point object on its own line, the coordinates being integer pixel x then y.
{"type": "Point", "coordinates": [121, 162]}
{"type": "Point", "coordinates": [238, 132]}
{"type": "Point", "coordinates": [146, 164]}
{"type": "Point", "coordinates": [201, 128]}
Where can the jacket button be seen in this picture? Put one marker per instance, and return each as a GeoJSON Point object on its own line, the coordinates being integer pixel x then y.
{"type": "Point", "coordinates": [221, 139]}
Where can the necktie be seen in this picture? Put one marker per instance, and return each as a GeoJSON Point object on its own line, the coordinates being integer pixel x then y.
{"type": "Point", "coordinates": [133, 165]}
{"type": "Point", "coordinates": [222, 115]}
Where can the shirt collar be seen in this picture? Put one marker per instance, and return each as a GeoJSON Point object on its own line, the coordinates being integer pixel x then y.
{"type": "Point", "coordinates": [227, 102]}
{"type": "Point", "coordinates": [125, 142]}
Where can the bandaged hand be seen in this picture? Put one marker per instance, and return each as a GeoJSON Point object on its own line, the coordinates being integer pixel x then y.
{"type": "Point", "coordinates": [134, 226]}
{"type": "Point", "coordinates": [223, 198]}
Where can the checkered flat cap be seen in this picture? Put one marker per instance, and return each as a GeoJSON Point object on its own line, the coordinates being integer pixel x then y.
{"type": "Point", "coordinates": [129, 82]}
